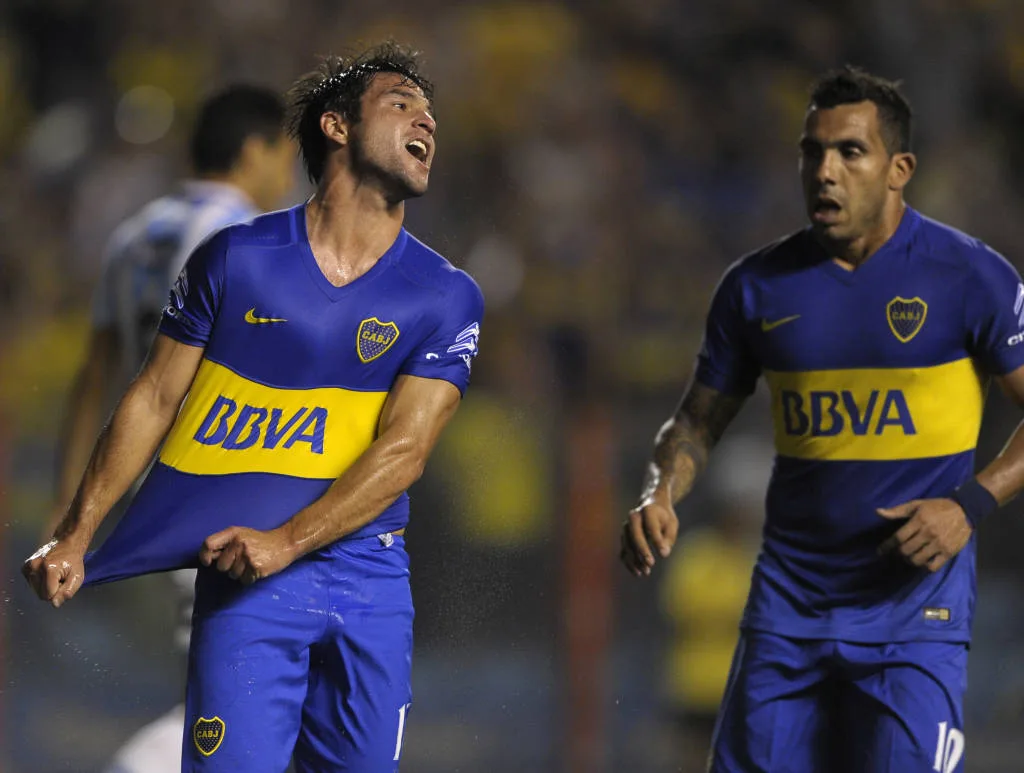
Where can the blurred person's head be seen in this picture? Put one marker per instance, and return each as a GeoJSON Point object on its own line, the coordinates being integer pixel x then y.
{"type": "Point", "coordinates": [240, 138]}
{"type": "Point", "coordinates": [855, 159]}
{"type": "Point", "coordinates": [369, 117]}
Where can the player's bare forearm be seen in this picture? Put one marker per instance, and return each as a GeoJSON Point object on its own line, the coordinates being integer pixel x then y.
{"type": "Point", "coordinates": [416, 412]}
{"type": "Point", "coordinates": [684, 442]}
{"type": "Point", "coordinates": [1004, 475]}
{"type": "Point", "coordinates": [126, 445]}
{"type": "Point", "coordinates": [82, 420]}
{"type": "Point", "coordinates": [364, 491]}
{"type": "Point", "coordinates": [681, 452]}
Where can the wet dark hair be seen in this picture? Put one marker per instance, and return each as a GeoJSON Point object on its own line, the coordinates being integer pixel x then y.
{"type": "Point", "coordinates": [339, 84]}
{"type": "Point", "coordinates": [850, 84]}
{"type": "Point", "coordinates": [229, 117]}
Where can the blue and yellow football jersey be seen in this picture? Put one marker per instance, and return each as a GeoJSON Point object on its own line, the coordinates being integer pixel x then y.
{"type": "Point", "coordinates": [877, 379]}
{"type": "Point", "coordinates": [294, 376]}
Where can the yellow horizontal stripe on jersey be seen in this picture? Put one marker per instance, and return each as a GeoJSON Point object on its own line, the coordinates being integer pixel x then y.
{"type": "Point", "coordinates": [877, 413]}
{"type": "Point", "coordinates": [230, 424]}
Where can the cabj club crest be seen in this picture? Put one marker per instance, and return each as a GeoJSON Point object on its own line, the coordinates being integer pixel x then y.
{"type": "Point", "coordinates": [208, 734]}
{"type": "Point", "coordinates": [374, 338]}
{"type": "Point", "coordinates": [906, 316]}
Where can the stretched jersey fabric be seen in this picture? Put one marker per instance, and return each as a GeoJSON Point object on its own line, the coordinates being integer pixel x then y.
{"type": "Point", "coordinates": [877, 380]}
{"type": "Point", "coordinates": [147, 252]}
{"type": "Point", "coordinates": [290, 390]}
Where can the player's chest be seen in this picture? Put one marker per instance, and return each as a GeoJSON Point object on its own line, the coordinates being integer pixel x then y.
{"type": "Point", "coordinates": [289, 329]}
{"type": "Point", "coordinates": [816, 322]}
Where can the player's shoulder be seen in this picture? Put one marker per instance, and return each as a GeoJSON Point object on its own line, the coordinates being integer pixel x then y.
{"type": "Point", "coordinates": [264, 232]}
{"type": "Point", "coordinates": [273, 229]}
{"type": "Point", "coordinates": [426, 268]}
{"type": "Point", "coordinates": [942, 243]}
{"type": "Point", "coordinates": [781, 256]}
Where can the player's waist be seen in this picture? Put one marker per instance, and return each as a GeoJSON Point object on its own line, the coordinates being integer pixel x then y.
{"type": "Point", "coordinates": [879, 600]}
{"type": "Point", "coordinates": [833, 505]}
{"type": "Point", "coordinates": [877, 413]}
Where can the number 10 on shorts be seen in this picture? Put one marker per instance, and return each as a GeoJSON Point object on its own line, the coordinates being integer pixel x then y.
{"type": "Point", "coordinates": [401, 730]}
{"type": "Point", "coordinates": [949, 749]}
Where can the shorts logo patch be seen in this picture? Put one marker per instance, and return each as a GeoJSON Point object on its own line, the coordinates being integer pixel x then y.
{"type": "Point", "coordinates": [374, 338]}
{"type": "Point", "coordinates": [208, 734]}
{"type": "Point", "coordinates": [936, 613]}
{"type": "Point", "coordinates": [906, 316]}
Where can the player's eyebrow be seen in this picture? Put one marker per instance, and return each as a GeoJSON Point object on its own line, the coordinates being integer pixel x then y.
{"type": "Point", "coordinates": [809, 143]}
{"type": "Point", "coordinates": [407, 93]}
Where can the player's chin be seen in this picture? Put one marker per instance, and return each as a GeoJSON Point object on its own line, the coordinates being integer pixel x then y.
{"type": "Point", "coordinates": [415, 187]}
{"type": "Point", "coordinates": [419, 186]}
{"type": "Point", "coordinates": [831, 231]}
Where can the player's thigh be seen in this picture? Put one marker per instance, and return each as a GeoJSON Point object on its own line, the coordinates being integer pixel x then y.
{"type": "Point", "coordinates": [247, 675]}
{"type": "Point", "coordinates": [776, 710]}
{"type": "Point", "coordinates": [906, 714]}
{"type": "Point", "coordinates": [360, 691]}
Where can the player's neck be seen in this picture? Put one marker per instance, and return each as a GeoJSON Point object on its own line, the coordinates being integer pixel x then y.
{"type": "Point", "coordinates": [852, 254]}
{"type": "Point", "coordinates": [350, 227]}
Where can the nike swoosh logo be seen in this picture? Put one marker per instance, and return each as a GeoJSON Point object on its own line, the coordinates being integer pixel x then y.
{"type": "Point", "coordinates": [252, 319]}
{"type": "Point", "coordinates": [766, 325]}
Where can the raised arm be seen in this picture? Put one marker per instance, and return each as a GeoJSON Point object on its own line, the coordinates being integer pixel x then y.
{"type": "Point", "coordinates": [416, 411]}
{"type": "Point", "coordinates": [681, 451]}
{"type": "Point", "coordinates": [125, 446]}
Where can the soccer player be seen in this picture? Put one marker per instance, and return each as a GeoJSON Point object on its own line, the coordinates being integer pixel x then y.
{"type": "Point", "coordinates": [876, 330]}
{"type": "Point", "coordinates": [323, 349]}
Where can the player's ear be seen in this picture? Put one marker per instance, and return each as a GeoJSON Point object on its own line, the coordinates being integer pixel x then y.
{"type": "Point", "coordinates": [901, 169]}
{"type": "Point", "coordinates": [334, 127]}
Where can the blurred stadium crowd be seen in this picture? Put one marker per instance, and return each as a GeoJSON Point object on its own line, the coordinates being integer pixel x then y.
{"type": "Point", "coordinates": [599, 165]}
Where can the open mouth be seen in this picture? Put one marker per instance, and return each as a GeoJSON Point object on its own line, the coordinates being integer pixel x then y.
{"type": "Point", "coordinates": [826, 209]}
{"type": "Point", "coordinates": [418, 150]}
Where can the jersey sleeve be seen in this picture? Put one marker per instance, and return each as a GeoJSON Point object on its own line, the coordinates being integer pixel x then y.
{"type": "Point", "coordinates": [195, 296]}
{"type": "Point", "coordinates": [995, 314]}
{"type": "Point", "coordinates": [725, 361]}
{"type": "Point", "coordinates": [448, 352]}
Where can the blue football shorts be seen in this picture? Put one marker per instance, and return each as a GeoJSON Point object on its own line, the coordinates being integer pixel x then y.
{"type": "Point", "coordinates": [817, 706]}
{"type": "Point", "coordinates": [313, 661]}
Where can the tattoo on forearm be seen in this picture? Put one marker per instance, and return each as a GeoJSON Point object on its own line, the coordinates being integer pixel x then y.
{"type": "Point", "coordinates": [684, 442]}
